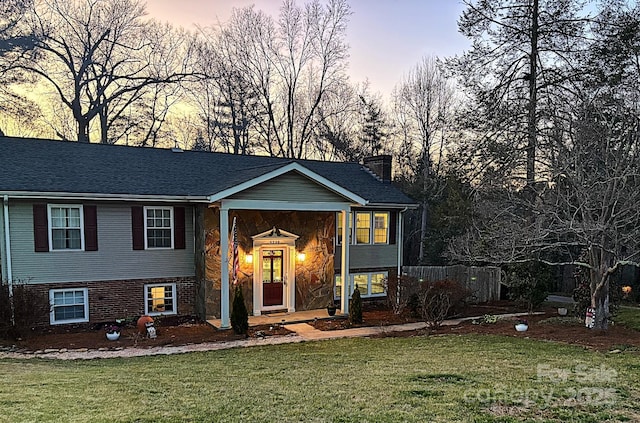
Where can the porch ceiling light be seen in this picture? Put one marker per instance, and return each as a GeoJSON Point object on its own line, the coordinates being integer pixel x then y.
{"type": "Point", "coordinates": [301, 256]}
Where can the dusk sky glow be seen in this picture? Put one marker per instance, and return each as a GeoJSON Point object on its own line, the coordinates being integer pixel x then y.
{"type": "Point", "coordinates": [387, 37]}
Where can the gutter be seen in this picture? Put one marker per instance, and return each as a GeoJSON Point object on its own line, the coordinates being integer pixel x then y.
{"type": "Point", "coordinates": [7, 240]}
{"type": "Point", "coordinates": [113, 197]}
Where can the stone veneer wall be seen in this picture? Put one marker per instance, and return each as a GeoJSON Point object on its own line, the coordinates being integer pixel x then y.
{"type": "Point", "coordinates": [314, 277]}
{"type": "Point", "coordinates": [110, 300]}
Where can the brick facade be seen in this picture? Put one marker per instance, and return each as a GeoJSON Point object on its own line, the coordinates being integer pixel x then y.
{"type": "Point", "coordinates": [110, 300]}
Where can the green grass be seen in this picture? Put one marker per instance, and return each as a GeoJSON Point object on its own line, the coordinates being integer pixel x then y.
{"type": "Point", "coordinates": [629, 317]}
{"type": "Point", "coordinates": [438, 378]}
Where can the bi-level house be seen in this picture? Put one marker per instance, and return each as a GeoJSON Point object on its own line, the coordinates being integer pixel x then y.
{"type": "Point", "coordinates": [109, 231]}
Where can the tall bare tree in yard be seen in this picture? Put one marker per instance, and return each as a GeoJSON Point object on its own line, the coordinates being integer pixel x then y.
{"type": "Point", "coordinates": [18, 113]}
{"type": "Point", "coordinates": [98, 56]}
{"type": "Point", "coordinates": [293, 64]}
{"type": "Point", "coordinates": [423, 103]}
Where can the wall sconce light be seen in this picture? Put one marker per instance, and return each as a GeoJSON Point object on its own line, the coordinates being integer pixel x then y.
{"type": "Point", "coordinates": [301, 256]}
{"type": "Point", "coordinates": [248, 258]}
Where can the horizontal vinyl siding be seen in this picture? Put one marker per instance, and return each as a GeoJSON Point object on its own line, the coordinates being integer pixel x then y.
{"type": "Point", "coordinates": [370, 256]}
{"type": "Point", "coordinates": [289, 187]}
{"type": "Point", "coordinates": [115, 258]}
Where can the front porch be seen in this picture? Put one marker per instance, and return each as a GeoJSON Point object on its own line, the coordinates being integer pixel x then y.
{"type": "Point", "coordinates": [284, 317]}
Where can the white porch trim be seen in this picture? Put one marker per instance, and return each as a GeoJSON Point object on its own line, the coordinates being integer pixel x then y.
{"type": "Point", "coordinates": [348, 195]}
{"type": "Point", "coordinates": [225, 318]}
{"type": "Point", "coordinates": [344, 269]}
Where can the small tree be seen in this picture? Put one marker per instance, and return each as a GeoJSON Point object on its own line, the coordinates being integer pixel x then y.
{"type": "Point", "coordinates": [438, 299]}
{"type": "Point", "coordinates": [356, 307]}
{"type": "Point", "coordinates": [30, 309]}
{"type": "Point", "coordinates": [528, 284]}
{"type": "Point", "coordinates": [239, 314]}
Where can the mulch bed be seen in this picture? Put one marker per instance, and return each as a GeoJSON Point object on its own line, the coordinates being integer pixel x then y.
{"type": "Point", "coordinates": [182, 331]}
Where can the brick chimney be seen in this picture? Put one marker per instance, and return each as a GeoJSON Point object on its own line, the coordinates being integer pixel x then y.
{"type": "Point", "coordinates": [380, 166]}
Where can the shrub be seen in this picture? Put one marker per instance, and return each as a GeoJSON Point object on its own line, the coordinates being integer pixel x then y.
{"type": "Point", "coordinates": [355, 309]}
{"type": "Point", "coordinates": [30, 306]}
{"type": "Point", "coordinates": [528, 283]}
{"type": "Point", "coordinates": [239, 314]}
{"type": "Point", "coordinates": [402, 293]}
{"type": "Point", "coordinates": [439, 299]}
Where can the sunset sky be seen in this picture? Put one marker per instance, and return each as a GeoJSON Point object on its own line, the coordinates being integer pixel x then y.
{"type": "Point", "coordinates": [387, 37]}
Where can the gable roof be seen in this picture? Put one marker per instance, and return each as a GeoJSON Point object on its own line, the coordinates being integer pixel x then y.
{"type": "Point", "coordinates": [97, 170]}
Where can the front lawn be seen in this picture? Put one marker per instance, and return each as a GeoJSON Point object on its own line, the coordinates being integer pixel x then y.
{"type": "Point", "coordinates": [629, 317]}
{"type": "Point", "coordinates": [419, 379]}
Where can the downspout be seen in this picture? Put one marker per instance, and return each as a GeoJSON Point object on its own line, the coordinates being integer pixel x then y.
{"type": "Point", "coordinates": [7, 241]}
{"type": "Point", "coordinates": [400, 241]}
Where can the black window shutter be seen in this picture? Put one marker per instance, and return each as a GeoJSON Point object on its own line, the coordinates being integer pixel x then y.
{"type": "Point", "coordinates": [40, 228]}
{"type": "Point", "coordinates": [90, 228]}
{"type": "Point", "coordinates": [179, 237]}
{"type": "Point", "coordinates": [137, 227]}
{"type": "Point", "coordinates": [393, 227]}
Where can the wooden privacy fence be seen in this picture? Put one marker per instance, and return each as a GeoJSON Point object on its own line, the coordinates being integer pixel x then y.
{"type": "Point", "coordinates": [483, 282]}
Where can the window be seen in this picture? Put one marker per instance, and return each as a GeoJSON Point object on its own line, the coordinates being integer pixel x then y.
{"type": "Point", "coordinates": [69, 305]}
{"type": "Point", "coordinates": [66, 227]}
{"type": "Point", "coordinates": [160, 299]}
{"type": "Point", "coordinates": [380, 228]}
{"type": "Point", "coordinates": [363, 228]}
{"type": "Point", "coordinates": [369, 284]}
{"type": "Point", "coordinates": [158, 227]}
{"type": "Point", "coordinates": [370, 227]}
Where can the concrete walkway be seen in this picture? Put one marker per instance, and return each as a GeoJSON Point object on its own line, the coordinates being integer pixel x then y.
{"type": "Point", "coordinates": [303, 332]}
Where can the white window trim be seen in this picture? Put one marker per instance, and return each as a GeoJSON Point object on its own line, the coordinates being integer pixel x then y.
{"type": "Point", "coordinates": [174, 300]}
{"type": "Point", "coordinates": [352, 284]}
{"type": "Point", "coordinates": [50, 226]}
{"type": "Point", "coordinates": [373, 227]}
{"type": "Point", "coordinates": [353, 230]}
{"type": "Point", "coordinates": [146, 241]}
{"type": "Point", "coordinates": [52, 316]}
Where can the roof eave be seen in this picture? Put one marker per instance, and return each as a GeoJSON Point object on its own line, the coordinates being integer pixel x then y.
{"type": "Point", "coordinates": [105, 197]}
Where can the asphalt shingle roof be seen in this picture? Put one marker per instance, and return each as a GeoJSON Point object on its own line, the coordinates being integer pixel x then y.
{"type": "Point", "coordinates": [35, 165]}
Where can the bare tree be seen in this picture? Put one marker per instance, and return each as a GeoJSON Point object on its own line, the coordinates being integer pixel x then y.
{"type": "Point", "coordinates": [293, 65]}
{"type": "Point", "coordinates": [100, 56]}
{"type": "Point", "coordinates": [423, 106]}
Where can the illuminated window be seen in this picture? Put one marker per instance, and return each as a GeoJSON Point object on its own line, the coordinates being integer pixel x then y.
{"type": "Point", "coordinates": [160, 299]}
{"type": "Point", "coordinates": [69, 305]}
{"type": "Point", "coordinates": [380, 228]}
{"type": "Point", "coordinates": [158, 227]}
{"type": "Point", "coordinates": [370, 227]}
{"type": "Point", "coordinates": [363, 228]}
{"type": "Point", "coordinates": [369, 284]}
{"type": "Point", "coordinates": [66, 227]}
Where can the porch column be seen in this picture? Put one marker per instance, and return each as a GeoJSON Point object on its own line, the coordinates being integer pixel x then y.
{"type": "Point", "coordinates": [400, 242]}
{"type": "Point", "coordinates": [224, 268]}
{"type": "Point", "coordinates": [344, 272]}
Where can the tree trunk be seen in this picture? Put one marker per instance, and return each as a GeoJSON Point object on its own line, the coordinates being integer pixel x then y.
{"type": "Point", "coordinates": [600, 261]}
{"type": "Point", "coordinates": [533, 102]}
{"type": "Point", "coordinates": [600, 303]}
